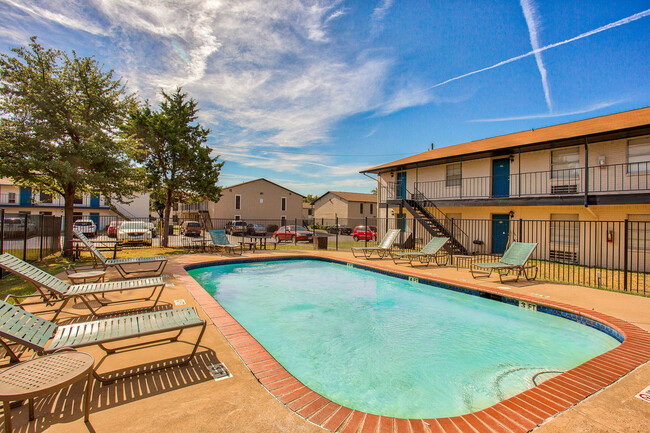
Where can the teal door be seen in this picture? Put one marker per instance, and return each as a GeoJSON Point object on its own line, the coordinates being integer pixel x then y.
{"type": "Point", "coordinates": [500, 231]}
{"type": "Point", "coordinates": [94, 217]}
{"type": "Point", "coordinates": [94, 200]}
{"type": "Point", "coordinates": [501, 177]}
{"type": "Point", "coordinates": [400, 191]}
{"type": "Point", "coordinates": [25, 196]}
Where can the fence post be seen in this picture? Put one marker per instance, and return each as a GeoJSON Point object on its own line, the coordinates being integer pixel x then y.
{"type": "Point", "coordinates": [519, 237]}
{"type": "Point", "coordinates": [625, 246]}
{"type": "Point", "coordinates": [336, 224]}
{"type": "Point", "coordinates": [41, 242]}
{"type": "Point", "coordinates": [25, 240]}
{"type": "Point", "coordinates": [367, 231]}
{"type": "Point", "coordinates": [295, 228]}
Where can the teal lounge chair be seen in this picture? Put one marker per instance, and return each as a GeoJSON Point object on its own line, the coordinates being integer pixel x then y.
{"type": "Point", "coordinates": [220, 240]}
{"type": "Point", "coordinates": [123, 266]}
{"type": "Point", "coordinates": [19, 328]}
{"type": "Point", "coordinates": [513, 260]}
{"type": "Point", "coordinates": [52, 290]}
{"type": "Point", "coordinates": [430, 252]}
{"type": "Point", "coordinates": [384, 247]}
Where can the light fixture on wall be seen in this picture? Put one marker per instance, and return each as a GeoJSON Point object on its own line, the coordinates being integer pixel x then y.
{"type": "Point", "coordinates": [512, 158]}
{"type": "Point", "coordinates": [511, 214]}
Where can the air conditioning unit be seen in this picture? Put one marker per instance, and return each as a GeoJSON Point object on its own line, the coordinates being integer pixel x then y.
{"type": "Point", "coordinates": [564, 189]}
{"type": "Point", "coordinates": [563, 256]}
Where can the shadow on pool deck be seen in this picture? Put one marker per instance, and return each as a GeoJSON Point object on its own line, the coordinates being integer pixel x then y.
{"type": "Point", "coordinates": [187, 399]}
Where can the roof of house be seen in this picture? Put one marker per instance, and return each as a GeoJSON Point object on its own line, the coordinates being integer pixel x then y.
{"type": "Point", "coordinates": [306, 205]}
{"type": "Point", "coordinates": [265, 180]}
{"type": "Point", "coordinates": [352, 196]}
{"type": "Point", "coordinates": [596, 125]}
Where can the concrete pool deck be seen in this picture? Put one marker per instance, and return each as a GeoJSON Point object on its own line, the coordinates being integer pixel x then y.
{"type": "Point", "coordinates": [188, 399]}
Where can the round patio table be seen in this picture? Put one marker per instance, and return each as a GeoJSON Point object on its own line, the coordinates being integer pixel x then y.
{"type": "Point", "coordinates": [44, 375]}
{"type": "Point", "coordinates": [87, 277]}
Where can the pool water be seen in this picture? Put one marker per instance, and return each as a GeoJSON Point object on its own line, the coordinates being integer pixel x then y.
{"type": "Point", "coordinates": [391, 347]}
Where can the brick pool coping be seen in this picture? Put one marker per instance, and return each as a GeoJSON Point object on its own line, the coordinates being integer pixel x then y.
{"type": "Point", "coordinates": [519, 413]}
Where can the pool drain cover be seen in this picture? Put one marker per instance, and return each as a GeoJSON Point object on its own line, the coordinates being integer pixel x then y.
{"type": "Point", "coordinates": [219, 371]}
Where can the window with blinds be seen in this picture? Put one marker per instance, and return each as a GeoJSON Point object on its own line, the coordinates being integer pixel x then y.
{"type": "Point", "coordinates": [565, 163]}
{"type": "Point", "coordinates": [453, 174]}
{"type": "Point", "coordinates": [638, 155]}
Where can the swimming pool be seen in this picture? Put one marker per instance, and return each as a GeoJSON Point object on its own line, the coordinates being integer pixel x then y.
{"type": "Point", "coordinates": [388, 346]}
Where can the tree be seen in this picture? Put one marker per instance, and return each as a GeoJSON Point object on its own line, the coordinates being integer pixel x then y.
{"type": "Point", "coordinates": [171, 148]}
{"type": "Point", "coordinates": [374, 191]}
{"type": "Point", "coordinates": [310, 199]}
{"type": "Point", "coordinates": [60, 119]}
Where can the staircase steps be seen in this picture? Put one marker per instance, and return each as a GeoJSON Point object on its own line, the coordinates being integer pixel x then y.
{"type": "Point", "coordinates": [433, 225]}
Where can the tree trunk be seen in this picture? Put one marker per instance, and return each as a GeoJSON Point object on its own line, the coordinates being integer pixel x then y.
{"type": "Point", "coordinates": [168, 209]}
{"type": "Point", "coordinates": [68, 220]}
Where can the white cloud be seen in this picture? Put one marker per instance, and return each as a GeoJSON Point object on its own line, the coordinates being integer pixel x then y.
{"type": "Point", "coordinates": [595, 107]}
{"type": "Point", "coordinates": [378, 15]}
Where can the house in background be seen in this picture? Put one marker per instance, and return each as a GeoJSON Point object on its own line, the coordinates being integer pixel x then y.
{"type": "Point", "coordinates": [350, 208]}
{"type": "Point", "coordinates": [19, 200]}
{"type": "Point", "coordinates": [255, 200]}
{"type": "Point", "coordinates": [596, 169]}
{"type": "Point", "coordinates": [307, 211]}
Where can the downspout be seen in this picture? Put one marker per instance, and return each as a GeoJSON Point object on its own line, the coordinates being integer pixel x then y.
{"type": "Point", "coordinates": [587, 172]}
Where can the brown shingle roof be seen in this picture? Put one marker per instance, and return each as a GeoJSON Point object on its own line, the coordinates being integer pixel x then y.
{"type": "Point", "coordinates": [353, 196]}
{"type": "Point", "coordinates": [595, 125]}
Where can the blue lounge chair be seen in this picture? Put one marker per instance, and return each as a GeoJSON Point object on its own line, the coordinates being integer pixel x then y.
{"type": "Point", "coordinates": [430, 252]}
{"type": "Point", "coordinates": [513, 260]}
{"type": "Point", "coordinates": [384, 247]}
{"type": "Point", "coordinates": [220, 240]}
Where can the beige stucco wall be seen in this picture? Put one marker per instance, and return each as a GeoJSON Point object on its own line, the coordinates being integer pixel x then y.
{"type": "Point", "coordinates": [260, 200]}
{"type": "Point", "coordinates": [331, 206]}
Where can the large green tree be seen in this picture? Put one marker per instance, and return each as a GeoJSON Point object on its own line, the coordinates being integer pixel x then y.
{"type": "Point", "coordinates": [173, 152]}
{"type": "Point", "coordinates": [60, 120]}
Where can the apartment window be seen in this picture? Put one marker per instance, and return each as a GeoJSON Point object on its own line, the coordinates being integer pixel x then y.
{"type": "Point", "coordinates": [77, 216]}
{"type": "Point", "coordinates": [639, 232]}
{"type": "Point", "coordinates": [237, 217]}
{"type": "Point", "coordinates": [45, 198]}
{"type": "Point", "coordinates": [238, 202]}
{"type": "Point", "coordinates": [284, 203]}
{"type": "Point", "coordinates": [565, 163]}
{"type": "Point", "coordinates": [565, 229]}
{"type": "Point", "coordinates": [78, 200]}
{"type": "Point", "coordinates": [361, 208]}
{"type": "Point", "coordinates": [638, 155]}
{"type": "Point", "coordinates": [310, 212]}
{"type": "Point", "coordinates": [11, 197]}
{"type": "Point", "coordinates": [371, 205]}
{"type": "Point", "coordinates": [453, 174]}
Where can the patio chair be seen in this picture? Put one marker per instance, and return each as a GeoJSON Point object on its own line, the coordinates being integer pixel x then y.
{"type": "Point", "coordinates": [120, 264]}
{"type": "Point", "coordinates": [430, 252]}
{"type": "Point", "coordinates": [384, 247]}
{"type": "Point", "coordinates": [220, 240]}
{"type": "Point", "coordinates": [52, 290]}
{"type": "Point", "coordinates": [25, 329]}
{"type": "Point", "coordinates": [513, 260]}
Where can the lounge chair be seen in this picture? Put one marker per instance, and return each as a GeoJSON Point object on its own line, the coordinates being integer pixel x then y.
{"type": "Point", "coordinates": [220, 240]}
{"type": "Point", "coordinates": [513, 260]}
{"type": "Point", "coordinates": [382, 249]}
{"type": "Point", "coordinates": [120, 264]}
{"type": "Point", "coordinates": [425, 255]}
{"type": "Point", "coordinates": [42, 336]}
{"type": "Point", "coordinates": [53, 290]}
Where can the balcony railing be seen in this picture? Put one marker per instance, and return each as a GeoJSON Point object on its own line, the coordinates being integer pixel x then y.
{"type": "Point", "coordinates": [11, 199]}
{"type": "Point", "coordinates": [195, 207]}
{"type": "Point", "coordinates": [605, 179]}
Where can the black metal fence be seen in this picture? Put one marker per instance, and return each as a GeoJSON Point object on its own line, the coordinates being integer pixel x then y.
{"type": "Point", "coordinates": [29, 237]}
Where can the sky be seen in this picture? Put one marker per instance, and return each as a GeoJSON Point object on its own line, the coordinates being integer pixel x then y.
{"type": "Point", "coordinates": [308, 93]}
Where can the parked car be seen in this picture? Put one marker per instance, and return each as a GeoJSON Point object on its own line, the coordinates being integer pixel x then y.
{"type": "Point", "coordinates": [293, 233]}
{"type": "Point", "coordinates": [237, 227]}
{"type": "Point", "coordinates": [134, 232]}
{"type": "Point", "coordinates": [363, 233]}
{"type": "Point", "coordinates": [341, 229]}
{"type": "Point", "coordinates": [86, 227]}
{"type": "Point", "coordinates": [191, 228]}
{"type": "Point", "coordinates": [256, 230]}
{"type": "Point", "coordinates": [15, 227]}
{"type": "Point", "coordinates": [111, 230]}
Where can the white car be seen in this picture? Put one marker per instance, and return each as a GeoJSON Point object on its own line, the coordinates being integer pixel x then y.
{"type": "Point", "coordinates": [86, 227]}
{"type": "Point", "coordinates": [134, 232]}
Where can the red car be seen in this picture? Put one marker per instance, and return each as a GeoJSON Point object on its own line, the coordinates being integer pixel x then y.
{"type": "Point", "coordinates": [293, 233]}
{"type": "Point", "coordinates": [111, 230]}
{"type": "Point", "coordinates": [363, 233]}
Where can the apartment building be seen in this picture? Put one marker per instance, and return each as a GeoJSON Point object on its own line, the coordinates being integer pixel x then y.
{"type": "Point", "coordinates": [596, 169]}
{"type": "Point", "coordinates": [21, 200]}
{"type": "Point", "coordinates": [345, 205]}
{"type": "Point", "coordinates": [258, 199]}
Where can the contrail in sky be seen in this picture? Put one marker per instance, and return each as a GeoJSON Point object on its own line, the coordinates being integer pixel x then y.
{"type": "Point", "coordinates": [531, 14]}
{"type": "Point", "coordinates": [618, 23]}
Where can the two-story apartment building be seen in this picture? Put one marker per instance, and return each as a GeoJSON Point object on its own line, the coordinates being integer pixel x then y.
{"type": "Point", "coordinates": [258, 199]}
{"type": "Point", "coordinates": [21, 200]}
{"type": "Point", "coordinates": [596, 169]}
{"type": "Point", "coordinates": [346, 206]}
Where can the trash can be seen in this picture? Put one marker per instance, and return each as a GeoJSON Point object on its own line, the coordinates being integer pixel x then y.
{"type": "Point", "coordinates": [320, 242]}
